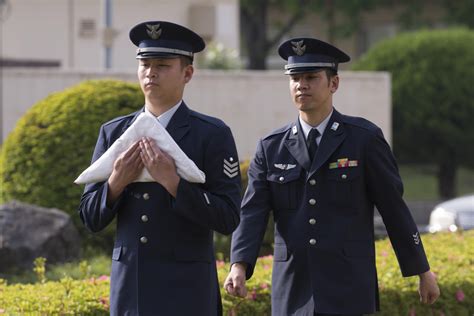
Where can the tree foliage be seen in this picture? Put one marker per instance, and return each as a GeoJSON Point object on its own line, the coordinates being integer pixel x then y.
{"type": "Point", "coordinates": [342, 17]}
{"type": "Point", "coordinates": [433, 100]}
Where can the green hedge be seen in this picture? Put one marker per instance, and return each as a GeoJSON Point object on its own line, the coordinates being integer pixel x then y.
{"type": "Point", "coordinates": [53, 142]}
{"type": "Point", "coordinates": [451, 258]}
{"type": "Point", "coordinates": [433, 100]}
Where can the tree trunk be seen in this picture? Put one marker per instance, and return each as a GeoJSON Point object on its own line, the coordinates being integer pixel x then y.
{"type": "Point", "coordinates": [447, 178]}
{"type": "Point", "coordinates": [254, 31]}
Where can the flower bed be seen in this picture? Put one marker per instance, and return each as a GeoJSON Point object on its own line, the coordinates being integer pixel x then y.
{"type": "Point", "coordinates": [451, 258]}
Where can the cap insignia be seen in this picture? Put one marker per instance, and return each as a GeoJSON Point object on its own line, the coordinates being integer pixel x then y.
{"type": "Point", "coordinates": [298, 47]}
{"type": "Point", "coordinates": [153, 31]}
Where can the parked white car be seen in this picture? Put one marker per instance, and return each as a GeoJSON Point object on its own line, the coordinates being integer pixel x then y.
{"type": "Point", "coordinates": [452, 215]}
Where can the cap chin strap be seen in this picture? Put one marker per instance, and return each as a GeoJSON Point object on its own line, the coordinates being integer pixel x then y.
{"type": "Point", "coordinates": [164, 50]}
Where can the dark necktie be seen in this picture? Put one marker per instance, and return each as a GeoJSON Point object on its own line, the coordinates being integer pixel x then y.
{"type": "Point", "coordinates": [311, 143]}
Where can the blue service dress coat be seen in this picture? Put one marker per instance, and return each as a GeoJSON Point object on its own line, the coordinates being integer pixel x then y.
{"type": "Point", "coordinates": [324, 253]}
{"type": "Point", "coordinates": [163, 258]}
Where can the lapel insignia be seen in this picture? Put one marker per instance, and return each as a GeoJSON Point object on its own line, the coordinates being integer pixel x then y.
{"type": "Point", "coordinates": [416, 238]}
{"type": "Point", "coordinates": [343, 163]}
{"type": "Point", "coordinates": [298, 47]}
{"type": "Point", "coordinates": [231, 169]}
{"type": "Point", "coordinates": [284, 166]}
{"type": "Point", "coordinates": [334, 126]}
{"type": "Point", "coordinates": [153, 31]}
{"type": "Point", "coordinates": [294, 130]}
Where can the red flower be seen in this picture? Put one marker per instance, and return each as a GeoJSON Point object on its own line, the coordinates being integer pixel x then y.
{"type": "Point", "coordinates": [460, 295]}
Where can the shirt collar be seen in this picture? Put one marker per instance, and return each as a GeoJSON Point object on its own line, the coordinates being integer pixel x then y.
{"type": "Point", "coordinates": [165, 117]}
{"type": "Point", "coordinates": [321, 127]}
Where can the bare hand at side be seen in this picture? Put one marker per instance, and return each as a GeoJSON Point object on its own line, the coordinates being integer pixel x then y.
{"type": "Point", "coordinates": [428, 288]}
{"type": "Point", "coordinates": [235, 282]}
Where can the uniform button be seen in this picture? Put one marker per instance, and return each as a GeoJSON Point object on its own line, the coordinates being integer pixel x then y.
{"type": "Point", "coordinates": [312, 182]}
{"type": "Point", "coordinates": [144, 218]}
{"type": "Point", "coordinates": [281, 179]}
{"type": "Point", "coordinates": [312, 221]}
{"type": "Point", "coordinates": [312, 201]}
{"type": "Point", "coordinates": [344, 176]}
{"type": "Point", "coordinates": [146, 196]}
{"type": "Point", "coordinates": [312, 241]}
{"type": "Point", "coordinates": [143, 240]}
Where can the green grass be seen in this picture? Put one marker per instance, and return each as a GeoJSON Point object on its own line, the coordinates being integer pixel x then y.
{"type": "Point", "coordinates": [421, 183]}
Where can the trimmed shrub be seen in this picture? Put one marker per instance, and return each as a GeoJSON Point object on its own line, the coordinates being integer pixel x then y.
{"type": "Point", "coordinates": [53, 142]}
{"type": "Point", "coordinates": [64, 297]}
{"type": "Point", "coordinates": [433, 100]}
{"type": "Point", "coordinates": [451, 259]}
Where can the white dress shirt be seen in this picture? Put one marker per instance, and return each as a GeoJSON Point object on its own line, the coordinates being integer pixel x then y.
{"type": "Point", "coordinates": [321, 127]}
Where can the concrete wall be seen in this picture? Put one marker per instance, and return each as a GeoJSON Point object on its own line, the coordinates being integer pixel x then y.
{"type": "Point", "coordinates": [51, 30]}
{"type": "Point", "coordinates": [251, 103]}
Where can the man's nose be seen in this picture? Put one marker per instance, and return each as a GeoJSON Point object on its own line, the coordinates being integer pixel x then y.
{"type": "Point", "coordinates": [151, 73]}
{"type": "Point", "coordinates": [302, 84]}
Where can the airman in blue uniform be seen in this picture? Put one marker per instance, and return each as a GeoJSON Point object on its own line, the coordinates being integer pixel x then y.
{"type": "Point", "coordinates": [163, 258]}
{"type": "Point", "coordinates": [321, 176]}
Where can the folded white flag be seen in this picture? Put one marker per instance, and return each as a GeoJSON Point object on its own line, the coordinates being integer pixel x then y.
{"type": "Point", "coordinates": [146, 125]}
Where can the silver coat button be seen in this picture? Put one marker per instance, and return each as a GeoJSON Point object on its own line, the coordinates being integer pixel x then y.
{"type": "Point", "coordinates": [143, 240]}
{"type": "Point", "coordinates": [144, 218]}
{"type": "Point", "coordinates": [344, 176]}
{"type": "Point", "coordinates": [312, 201]}
{"type": "Point", "coordinates": [312, 182]}
{"type": "Point", "coordinates": [281, 179]}
{"type": "Point", "coordinates": [146, 196]}
{"type": "Point", "coordinates": [312, 241]}
{"type": "Point", "coordinates": [312, 221]}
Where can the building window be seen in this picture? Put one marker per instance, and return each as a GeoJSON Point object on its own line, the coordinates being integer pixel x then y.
{"type": "Point", "coordinates": [87, 28]}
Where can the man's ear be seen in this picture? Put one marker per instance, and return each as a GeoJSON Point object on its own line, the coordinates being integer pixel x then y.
{"type": "Point", "coordinates": [334, 83]}
{"type": "Point", "coordinates": [188, 73]}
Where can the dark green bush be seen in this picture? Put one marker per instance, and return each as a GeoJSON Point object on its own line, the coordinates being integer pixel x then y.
{"type": "Point", "coordinates": [53, 142]}
{"type": "Point", "coordinates": [433, 99]}
{"type": "Point", "coordinates": [451, 258]}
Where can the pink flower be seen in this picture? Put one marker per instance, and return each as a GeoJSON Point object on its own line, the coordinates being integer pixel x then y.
{"type": "Point", "coordinates": [104, 301]}
{"type": "Point", "coordinates": [252, 295]}
{"type": "Point", "coordinates": [412, 312]}
{"type": "Point", "coordinates": [384, 253]}
{"type": "Point", "coordinates": [264, 286]}
{"type": "Point", "coordinates": [460, 295]}
{"type": "Point", "coordinates": [103, 278]}
{"type": "Point", "coordinates": [220, 263]}
{"type": "Point", "coordinates": [266, 267]}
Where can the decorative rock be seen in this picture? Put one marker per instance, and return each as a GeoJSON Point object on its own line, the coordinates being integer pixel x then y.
{"type": "Point", "coordinates": [29, 231]}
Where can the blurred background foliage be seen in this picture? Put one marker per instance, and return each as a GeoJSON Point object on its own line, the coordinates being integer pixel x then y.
{"type": "Point", "coordinates": [433, 100]}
